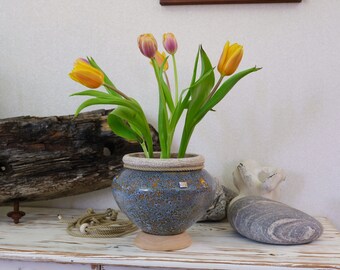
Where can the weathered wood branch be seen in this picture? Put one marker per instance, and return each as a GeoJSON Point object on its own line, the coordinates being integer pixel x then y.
{"type": "Point", "coordinates": [51, 157]}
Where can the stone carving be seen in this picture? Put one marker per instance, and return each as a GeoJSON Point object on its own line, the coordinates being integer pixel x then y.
{"type": "Point", "coordinates": [218, 210]}
{"type": "Point", "coordinates": [272, 222]}
{"type": "Point", "coordinates": [252, 179]}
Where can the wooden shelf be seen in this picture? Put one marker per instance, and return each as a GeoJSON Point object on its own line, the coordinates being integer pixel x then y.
{"type": "Point", "coordinates": [205, 2]}
{"type": "Point", "coordinates": [41, 237]}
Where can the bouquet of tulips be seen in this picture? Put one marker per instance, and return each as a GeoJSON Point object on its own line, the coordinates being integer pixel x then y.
{"type": "Point", "coordinates": [128, 119]}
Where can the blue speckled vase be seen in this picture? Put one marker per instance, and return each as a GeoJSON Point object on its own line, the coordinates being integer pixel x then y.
{"type": "Point", "coordinates": [163, 196]}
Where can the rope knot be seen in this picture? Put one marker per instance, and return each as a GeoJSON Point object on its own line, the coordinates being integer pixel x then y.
{"type": "Point", "coordinates": [101, 225]}
{"type": "Point", "coordinates": [90, 211]}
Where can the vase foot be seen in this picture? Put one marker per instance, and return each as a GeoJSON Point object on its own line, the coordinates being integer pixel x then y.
{"type": "Point", "coordinates": [162, 242]}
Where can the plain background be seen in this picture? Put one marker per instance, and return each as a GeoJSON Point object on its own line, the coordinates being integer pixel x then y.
{"type": "Point", "coordinates": [286, 115]}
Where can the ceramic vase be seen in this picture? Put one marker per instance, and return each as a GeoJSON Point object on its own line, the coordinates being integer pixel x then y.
{"type": "Point", "coordinates": [163, 196]}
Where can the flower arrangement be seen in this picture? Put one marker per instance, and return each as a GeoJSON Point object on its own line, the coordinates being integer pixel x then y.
{"type": "Point", "coordinates": [128, 119]}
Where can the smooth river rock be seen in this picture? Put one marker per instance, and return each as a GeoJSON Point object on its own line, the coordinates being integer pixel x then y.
{"type": "Point", "coordinates": [272, 222]}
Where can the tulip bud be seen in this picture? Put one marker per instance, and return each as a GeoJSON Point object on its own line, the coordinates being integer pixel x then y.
{"type": "Point", "coordinates": [86, 74]}
{"type": "Point", "coordinates": [160, 57]}
{"type": "Point", "coordinates": [230, 59]}
{"type": "Point", "coordinates": [170, 43]}
{"type": "Point", "coordinates": [147, 45]}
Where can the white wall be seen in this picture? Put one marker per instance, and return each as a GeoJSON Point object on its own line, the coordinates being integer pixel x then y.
{"type": "Point", "coordinates": [286, 115]}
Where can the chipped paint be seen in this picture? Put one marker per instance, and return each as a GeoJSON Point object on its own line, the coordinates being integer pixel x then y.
{"type": "Point", "coordinates": [43, 238]}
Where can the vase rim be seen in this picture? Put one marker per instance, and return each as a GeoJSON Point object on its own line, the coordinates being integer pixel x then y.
{"type": "Point", "coordinates": [137, 161]}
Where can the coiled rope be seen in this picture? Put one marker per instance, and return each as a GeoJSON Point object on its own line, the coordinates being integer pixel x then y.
{"type": "Point", "coordinates": [101, 225]}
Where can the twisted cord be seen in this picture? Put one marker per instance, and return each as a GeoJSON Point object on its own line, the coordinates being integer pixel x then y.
{"type": "Point", "coordinates": [165, 169]}
{"type": "Point", "coordinates": [101, 225]}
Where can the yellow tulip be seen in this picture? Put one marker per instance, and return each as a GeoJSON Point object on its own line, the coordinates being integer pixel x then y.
{"type": "Point", "coordinates": [147, 45]}
{"type": "Point", "coordinates": [87, 75]}
{"type": "Point", "coordinates": [170, 43]}
{"type": "Point", "coordinates": [160, 57]}
{"type": "Point", "coordinates": [230, 59]}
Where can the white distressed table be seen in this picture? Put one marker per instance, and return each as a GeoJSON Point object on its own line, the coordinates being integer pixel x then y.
{"type": "Point", "coordinates": [41, 242]}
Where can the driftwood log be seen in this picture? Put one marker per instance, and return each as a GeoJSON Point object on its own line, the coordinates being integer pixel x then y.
{"type": "Point", "coordinates": [50, 157]}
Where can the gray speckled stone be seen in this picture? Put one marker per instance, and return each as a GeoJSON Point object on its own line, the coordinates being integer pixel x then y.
{"type": "Point", "coordinates": [272, 222]}
{"type": "Point", "coordinates": [218, 210]}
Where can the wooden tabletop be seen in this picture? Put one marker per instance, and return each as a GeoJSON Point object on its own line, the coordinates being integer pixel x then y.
{"type": "Point", "coordinates": [41, 237]}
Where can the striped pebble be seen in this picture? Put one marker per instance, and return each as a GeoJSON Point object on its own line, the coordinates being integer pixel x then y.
{"type": "Point", "coordinates": [272, 222]}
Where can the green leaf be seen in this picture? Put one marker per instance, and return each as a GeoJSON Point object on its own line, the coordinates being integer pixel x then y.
{"type": "Point", "coordinates": [121, 128]}
{"type": "Point", "coordinates": [92, 93]}
{"type": "Point", "coordinates": [163, 121]}
{"type": "Point", "coordinates": [200, 91]}
{"type": "Point", "coordinates": [137, 121]}
{"type": "Point", "coordinates": [163, 125]}
{"type": "Point", "coordinates": [163, 85]}
{"type": "Point", "coordinates": [181, 105]}
{"type": "Point", "coordinates": [183, 102]}
{"type": "Point", "coordinates": [106, 78]}
{"type": "Point", "coordinates": [193, 79]}
{"type": "Point", "coordinates": [132, 118]}
{"type": "Point", "coordinates": [167, 95]}
{"type": "Point", "coordinates": [100, 101]}
{"type": "Point", "coordinates": [216, 98]}
{"type": "Point", "coordinates": [221, 92]}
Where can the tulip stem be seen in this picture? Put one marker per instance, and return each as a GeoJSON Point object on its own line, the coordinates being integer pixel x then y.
{"type": "Point", "coordinates": [116, 90]}
{"type": "Point", "coordinates": [176, 79]}
{"type": "Point", "coordinates": [215, 87]}
{"type": "Point", "coordinates": [163, 124]}
{"type": "Point", "coordinates": [167, 80]}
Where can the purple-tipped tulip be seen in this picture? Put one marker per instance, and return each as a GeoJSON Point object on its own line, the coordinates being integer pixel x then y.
{"type": "Point", "coordinates": [170, 43]}
{"type": "Point", "coordinates": [147, 45]}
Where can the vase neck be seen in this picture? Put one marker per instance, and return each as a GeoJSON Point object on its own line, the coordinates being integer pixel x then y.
{"type": "Point", "coordinates": [137, 161]}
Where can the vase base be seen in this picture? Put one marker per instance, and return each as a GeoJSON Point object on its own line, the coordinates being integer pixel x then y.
{"type": "Point", "coordinates": [162, 242]}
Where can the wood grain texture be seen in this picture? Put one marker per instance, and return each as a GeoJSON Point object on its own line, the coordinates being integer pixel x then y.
{"type": "Point", "coordinates": [51, 157]}
{"type": "Point", "coordinates": [20, 265]}
{"type": "Point", "coordinates": [206, 2]}
{"type": "Point", "coordinates": [42, 238]}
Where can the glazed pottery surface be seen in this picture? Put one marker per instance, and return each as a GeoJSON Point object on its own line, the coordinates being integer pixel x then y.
{"type": "Point", "coordinates": [164, 202]}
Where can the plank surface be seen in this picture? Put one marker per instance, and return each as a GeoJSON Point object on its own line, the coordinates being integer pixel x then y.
{"type": "Point", "coordinates": [205, 2]}
{"type": "Point", "coordinates": [41, 237]}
